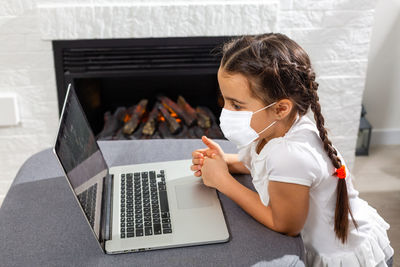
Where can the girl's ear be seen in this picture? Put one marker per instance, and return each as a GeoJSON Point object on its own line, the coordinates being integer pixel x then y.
{"type": "Point", "coordinates": [283, 108]}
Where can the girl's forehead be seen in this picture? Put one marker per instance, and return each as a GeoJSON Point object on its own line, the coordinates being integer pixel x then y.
{"type": "Point", "coordinates": [233, 84]}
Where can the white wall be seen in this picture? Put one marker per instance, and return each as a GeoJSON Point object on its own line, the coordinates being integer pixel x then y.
{"type": "Point", "coordinates": [382, 90]}
{"type": "Point", "coordinates": [336, 34]}
{"type": "Point", "coordinates": [26, 69]}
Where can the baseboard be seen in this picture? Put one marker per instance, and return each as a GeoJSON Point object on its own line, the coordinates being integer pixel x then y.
{"type": "Point", "coordinates": [385, 137]}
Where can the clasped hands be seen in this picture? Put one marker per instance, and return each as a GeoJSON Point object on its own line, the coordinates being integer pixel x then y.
{"type": "Point", "coordinates": [210, 163]}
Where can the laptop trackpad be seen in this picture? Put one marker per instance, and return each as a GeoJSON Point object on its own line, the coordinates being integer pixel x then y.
{"type": "Point", "coordinates": [197, 195]}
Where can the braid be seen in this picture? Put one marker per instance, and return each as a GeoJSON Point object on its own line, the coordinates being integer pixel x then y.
{"type": "Point", "coordinates": [342, 208]}
{"type": "Point", "coordinates": [323, 134]}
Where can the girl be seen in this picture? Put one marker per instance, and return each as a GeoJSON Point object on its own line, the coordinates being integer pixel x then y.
{"type": "Point", "coordinates": [268, 85]}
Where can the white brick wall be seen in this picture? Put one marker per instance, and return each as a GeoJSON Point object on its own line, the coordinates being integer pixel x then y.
{"type": "Point", "coordinates": [336, 35]}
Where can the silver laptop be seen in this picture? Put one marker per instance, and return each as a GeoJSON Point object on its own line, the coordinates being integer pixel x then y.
{"type": "Point", "coordinates": [135, 207]}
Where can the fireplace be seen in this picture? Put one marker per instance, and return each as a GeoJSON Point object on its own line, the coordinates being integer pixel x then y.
{"type": "Point", "coordinates": [111, 75]}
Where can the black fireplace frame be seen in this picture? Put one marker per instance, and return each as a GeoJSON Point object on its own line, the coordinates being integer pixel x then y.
{"type": "Point", "coordinates": [64, 76]}
{"type": "Point", "coordinates": [138, 58]}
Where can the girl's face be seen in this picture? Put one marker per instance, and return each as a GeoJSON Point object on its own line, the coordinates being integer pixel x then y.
{"type": "Point", "coordinates": [237, 97]}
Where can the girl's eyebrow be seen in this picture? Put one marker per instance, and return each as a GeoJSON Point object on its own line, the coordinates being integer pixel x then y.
{"type": "Point", "coordinates": [233, 99]}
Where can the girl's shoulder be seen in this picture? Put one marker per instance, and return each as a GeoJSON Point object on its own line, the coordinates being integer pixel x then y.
{"type": "Point", "coordinates": [301, 139]}
{"type": "Point", "coordinates": [298, 157]}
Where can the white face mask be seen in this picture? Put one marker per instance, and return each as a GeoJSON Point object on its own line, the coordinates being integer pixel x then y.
{"type": "Point", "coordinates": [236, 126]}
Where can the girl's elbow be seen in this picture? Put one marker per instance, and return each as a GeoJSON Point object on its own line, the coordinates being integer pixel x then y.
{"type": "Point", "coordinates": [289, 231]}
{"type": "Point", "coordinates": [293, 233]}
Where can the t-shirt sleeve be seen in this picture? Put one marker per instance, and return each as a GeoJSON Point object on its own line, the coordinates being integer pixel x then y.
{"type": "Point", "coordinates": [293, 162]}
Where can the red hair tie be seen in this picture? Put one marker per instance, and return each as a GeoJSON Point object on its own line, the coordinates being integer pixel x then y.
{"type": "Point", "coordinates": [341, 172]}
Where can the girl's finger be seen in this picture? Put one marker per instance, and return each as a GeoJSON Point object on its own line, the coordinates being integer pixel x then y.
{"type": "Point", "coordinates": [210, 152]}
{"type": "Point", "coordinates": [197, 161]}
{"type": "Point", "coordinates": [198, 154]}
{"type": "Point", "coordinates": [194, 167]}
{"type": "Point", "coordinates": [208, 142]}
{"type": "Point", "coordinates": [198, 173]}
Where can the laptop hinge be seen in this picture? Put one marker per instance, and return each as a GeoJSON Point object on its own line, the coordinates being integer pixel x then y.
{"type": "Point", "coordinates": [106, 228]}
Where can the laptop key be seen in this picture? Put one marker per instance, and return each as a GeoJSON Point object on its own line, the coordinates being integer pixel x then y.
{"type": "Point", "coordinates": [148, 231]}
{"type": "Point", "coordinates": [167, 231]}
{"type": "Point", "coordinates": [166, 220]}
{"type": "Point", "coordinates": [130, 229]}
{"type": "Point", "coordinates": [166, 225]}
{"type": "Point", "coordinates": [139, 232]}
{"type": "Point", "coordinates": [155, 210]}
{"type": "Point", "coordinates": [147, 224]}
{"type": "Point", "coordinates": [130, 235]}
{"type": "Point", "coordinates": [129, 224]}
{"type": "Point", "coordinates": [164, 201]}
{"type": "Point", "coordinates": [122, 235]}
{"type": "Point", "coordinates": [157, 229]}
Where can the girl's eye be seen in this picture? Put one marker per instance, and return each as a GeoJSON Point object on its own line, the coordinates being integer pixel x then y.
{"type": "Point", "coordinates": [236, 106]}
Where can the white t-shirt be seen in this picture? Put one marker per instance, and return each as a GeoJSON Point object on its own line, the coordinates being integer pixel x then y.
{"type": "Point", "coordinates": [299, 157]}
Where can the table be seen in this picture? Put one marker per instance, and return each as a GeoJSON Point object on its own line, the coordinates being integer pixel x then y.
{"type": "Point", "coordinates": [41, 224]}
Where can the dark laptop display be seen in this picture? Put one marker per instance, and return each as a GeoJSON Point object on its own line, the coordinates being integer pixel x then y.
{"type": "Point", "coordinates": [81, 159]}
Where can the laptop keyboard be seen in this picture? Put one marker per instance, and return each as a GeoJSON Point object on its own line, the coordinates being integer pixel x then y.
{"type": "Point", "coordinates": [88, 202]}
{"type": "Point", "coordinates": [144, 205]}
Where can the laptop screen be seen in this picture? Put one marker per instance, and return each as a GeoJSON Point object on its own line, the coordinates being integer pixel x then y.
{"type": "Point", "coordinates": [81, 159]}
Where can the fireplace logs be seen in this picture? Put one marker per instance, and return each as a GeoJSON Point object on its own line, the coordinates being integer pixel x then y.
{"type": "Point", "coordinates": [150, 126]}
{"type": "Point", "coordinates": [166, 119]}
{"type": "Point", "coordinates": [136, 115]}
{"type": "Point", "coordinates": [173, 125]}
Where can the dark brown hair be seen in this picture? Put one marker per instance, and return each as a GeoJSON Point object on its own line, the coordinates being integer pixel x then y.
{"type": "Point", "coordinates": [278, 68]}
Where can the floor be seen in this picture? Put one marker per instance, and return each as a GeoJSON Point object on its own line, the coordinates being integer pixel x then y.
{"type": "Point", "coordinates": [377, 178]}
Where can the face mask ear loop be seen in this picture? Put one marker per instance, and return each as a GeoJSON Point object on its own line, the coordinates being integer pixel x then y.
{"type": "Point", "coordinates": [267, 128]}
{"type": "Point", "coordinates": [265, 107]}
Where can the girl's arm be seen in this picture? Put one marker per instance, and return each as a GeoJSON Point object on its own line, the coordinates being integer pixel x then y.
{"type": "Point", "coordinates": [234, 165]}
{"type": "Point", "coordinates": [287, 209]}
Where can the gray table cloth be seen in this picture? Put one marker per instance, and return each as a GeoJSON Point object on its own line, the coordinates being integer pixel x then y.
{"type": "Point", "coordinates": [42, 225]}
